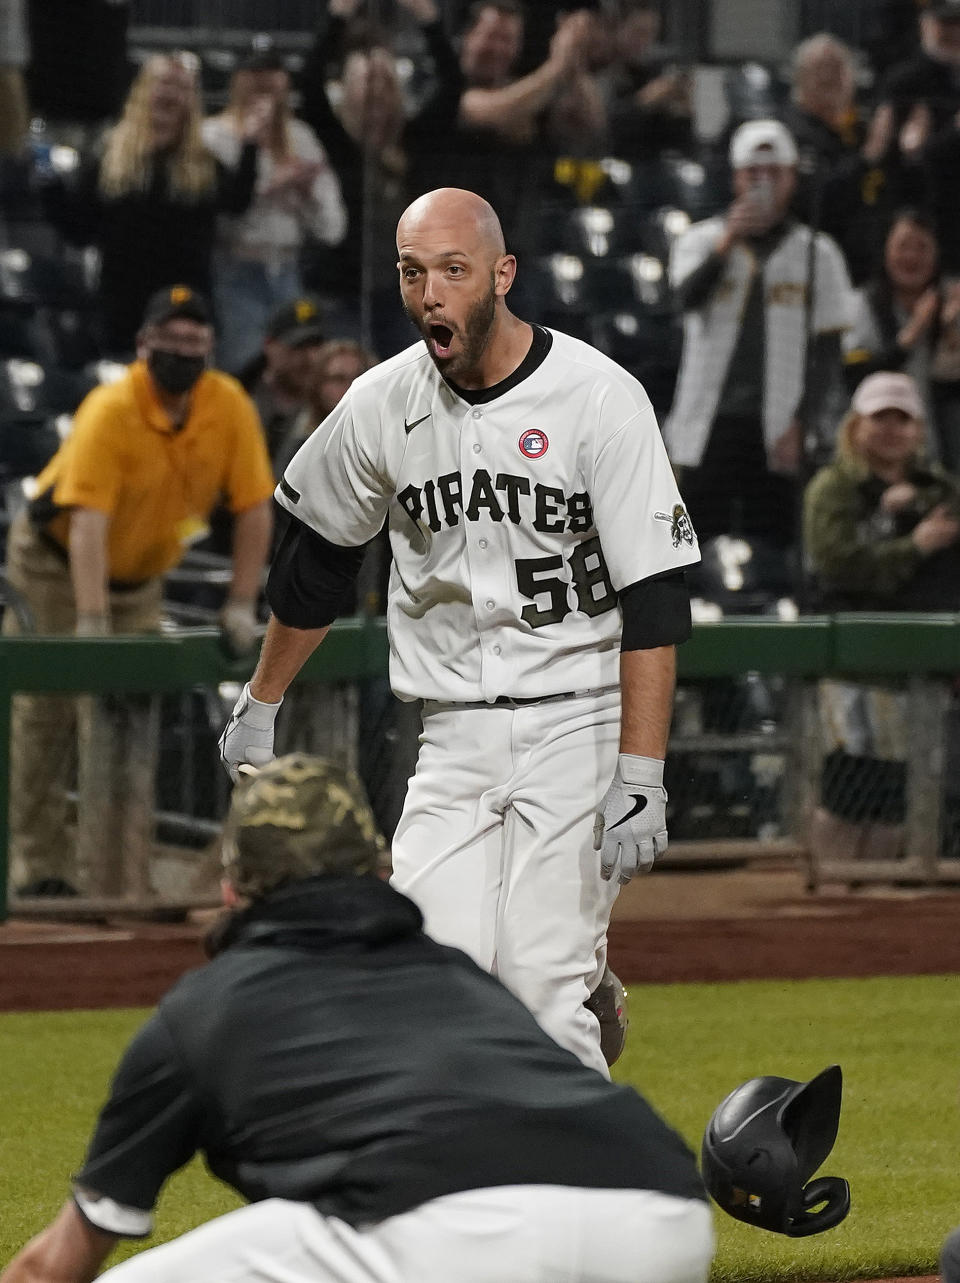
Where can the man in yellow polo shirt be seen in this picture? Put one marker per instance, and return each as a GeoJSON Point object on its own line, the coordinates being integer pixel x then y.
{"type": "Point", "coordinates": [146, 461]}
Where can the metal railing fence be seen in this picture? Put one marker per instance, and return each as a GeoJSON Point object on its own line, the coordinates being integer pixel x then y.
{"type": "Point", "coordinates": [745, 768]}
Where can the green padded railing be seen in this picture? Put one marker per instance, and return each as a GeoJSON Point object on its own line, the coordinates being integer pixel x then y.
{"type": "Point", "coordinates": [853, 645]}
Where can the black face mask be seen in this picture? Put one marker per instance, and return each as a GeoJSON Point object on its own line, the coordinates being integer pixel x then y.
{"type": "Point", "coordinates": [175, 373]}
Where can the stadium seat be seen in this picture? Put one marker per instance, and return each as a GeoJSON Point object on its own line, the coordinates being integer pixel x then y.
{"type": "Point", "coordinates": [596, 231]}
{"type": "Point", "coordinates": [743, 576]}
{"type": "Point", "coordinates": [28, 436]}
{"type": "Point", "coordinates": [74, 340]}
{"type": "Point", "coordinates": [646, 342]}
{"type": "Point", "coordinates": [753, 91]}
{"type": "Point", "coordinates": [20, 332]}
{"type": "Point", "coordinates": [699, 186]}
{"type": "Point", "coordinates": [58, 281]}
{"type": "Point", "coordinates": [216, 68]}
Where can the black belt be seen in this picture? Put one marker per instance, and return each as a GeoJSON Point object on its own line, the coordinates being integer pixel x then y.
{"type": "Point", "coordinates": [507, 701]}
{"type": "Point", "coordinates": [510, 702]}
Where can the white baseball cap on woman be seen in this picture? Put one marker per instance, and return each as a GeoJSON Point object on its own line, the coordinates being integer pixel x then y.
{"type": "Point", "coordinates": [887, 390]}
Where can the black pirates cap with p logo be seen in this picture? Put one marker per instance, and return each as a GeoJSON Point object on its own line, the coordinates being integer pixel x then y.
{"type": "Point", "coordinates": [177, 303]}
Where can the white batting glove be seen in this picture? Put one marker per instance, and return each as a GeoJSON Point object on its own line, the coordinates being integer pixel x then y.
{"type": "Point", "coordinates": [248, 736]}
{"type": "Point", "coordinates": [630, 830]}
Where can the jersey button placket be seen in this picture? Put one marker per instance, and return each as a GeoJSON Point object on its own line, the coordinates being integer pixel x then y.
{"type": "Point", "coordinates": [482, 581]}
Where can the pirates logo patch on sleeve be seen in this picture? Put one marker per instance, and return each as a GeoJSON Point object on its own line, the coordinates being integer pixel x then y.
{"type": "Point", "coordinates": [681, 529]}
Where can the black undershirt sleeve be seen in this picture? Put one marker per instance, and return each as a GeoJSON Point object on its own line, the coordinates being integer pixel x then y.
{"type": "Point", "coordinates": [310, 578]}
{"type": "Point", "coordinates": [656, 612]}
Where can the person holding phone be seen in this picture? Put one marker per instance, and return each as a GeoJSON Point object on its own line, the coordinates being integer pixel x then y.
{"type": "Point", "coordinates": [752, 284]}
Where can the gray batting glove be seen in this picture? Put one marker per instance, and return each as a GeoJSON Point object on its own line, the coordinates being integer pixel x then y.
{"type": "Point", "coordinates": [248, 736]}
{"type": "Point", "coordinates": [630, 830]}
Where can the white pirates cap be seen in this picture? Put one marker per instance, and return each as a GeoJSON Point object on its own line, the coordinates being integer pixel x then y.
{"type": "Point", "coordinates": [762, 142]}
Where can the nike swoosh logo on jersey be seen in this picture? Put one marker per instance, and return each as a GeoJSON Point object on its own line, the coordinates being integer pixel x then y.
{"type": "Point", "coordinates": [408, 427]}
{"type": "Point", "coordinates": [639, 802]}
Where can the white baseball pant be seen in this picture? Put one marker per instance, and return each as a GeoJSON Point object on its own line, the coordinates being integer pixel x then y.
{"type": "Point", "coordinates": [495, 845]}
{"type": "Point", "coordinates": [524, 1233]}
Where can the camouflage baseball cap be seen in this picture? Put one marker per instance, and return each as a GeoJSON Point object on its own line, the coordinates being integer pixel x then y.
{"type": "Point", "coordinates": [297, 817]}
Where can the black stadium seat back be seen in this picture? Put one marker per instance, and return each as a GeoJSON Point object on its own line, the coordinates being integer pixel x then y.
{"type": "Point", "coordinates": [599, 231]}
{"type": "Point", "coordinates": [647, 343]}
{"type": "Point", "coordinates": [45, 280]}
{"type": "Point", "coordinates": [22, 333]}
{"type": "Point", "coordinates": [74, 337]}
{"type": "Point", "coordinates": [608, 284]}
{"type": "Point", "coordinates": [16, 287]}
{"type": "Point", "coordinates": [65, 388]}
{"type": "Point", "coordinates": [28, 434]}
{"type": "Point", "coordinates": [753, 91]}
{"type": "Point", "coordinates": [743, 575]}
{"type": "Point", "coordinates": [700, 186]}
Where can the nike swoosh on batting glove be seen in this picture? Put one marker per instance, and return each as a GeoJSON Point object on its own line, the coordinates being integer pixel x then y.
{"type": "Point", "coordinates": [247, 738]}
{"type": "Point", "coordinates": [630, 830]}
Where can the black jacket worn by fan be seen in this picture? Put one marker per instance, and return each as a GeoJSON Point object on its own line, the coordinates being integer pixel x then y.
{"type": "Point", "coordinates": [334, 1054]}
{"type": "Point", "coordinates": [147, 239]}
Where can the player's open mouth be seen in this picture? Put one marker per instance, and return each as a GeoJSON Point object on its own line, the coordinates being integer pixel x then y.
{"type": "Point", "coordinates": [441, 337]}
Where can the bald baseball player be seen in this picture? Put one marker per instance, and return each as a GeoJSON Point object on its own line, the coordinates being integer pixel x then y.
{"type": "Point", "coordinates": [536, 598]}
{"type": "Point", "coordinates": [389, 1111]}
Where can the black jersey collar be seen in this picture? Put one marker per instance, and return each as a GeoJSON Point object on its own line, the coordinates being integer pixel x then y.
{"type": "Point", "coordinates": [536, 355]}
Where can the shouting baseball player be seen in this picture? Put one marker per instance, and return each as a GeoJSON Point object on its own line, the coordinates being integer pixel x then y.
{"type": "Point", "coordinates": [536, 598]}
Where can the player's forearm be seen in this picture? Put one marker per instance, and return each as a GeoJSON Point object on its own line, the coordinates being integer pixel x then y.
{"type": "Point", "coordinates": [67, 1251]}
{"type": "Point", "coordinates": [251, 543]}
{"type": "Point", "coordinates": [87, 550]}
{"type": "Point", "coordinates": [285, 651]}
{"type": "Point", "coordinates": [647, 679]}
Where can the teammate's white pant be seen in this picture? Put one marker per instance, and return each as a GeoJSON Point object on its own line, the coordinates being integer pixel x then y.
{"type": "Point", "coordinates": [520, 1233]}
{"type": "Point", "coordinates": [495, 845]}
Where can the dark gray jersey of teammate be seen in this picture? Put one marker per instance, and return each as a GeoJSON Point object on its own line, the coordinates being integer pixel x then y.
{"type": "Point", "coordinates": [333, 1053]}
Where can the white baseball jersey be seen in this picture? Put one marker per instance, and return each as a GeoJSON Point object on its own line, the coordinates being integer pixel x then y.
{"type": "Point", "coordinates": [513, 523]}
{"type": "Point", "coordinates": [710, 332]}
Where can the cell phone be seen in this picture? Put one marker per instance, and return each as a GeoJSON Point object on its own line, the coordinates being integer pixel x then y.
{"type": "Point", "coordinates": [762, 195]}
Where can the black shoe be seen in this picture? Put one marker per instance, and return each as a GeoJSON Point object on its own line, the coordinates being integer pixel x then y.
{"type": "Point", "coordinates": [608, 1003]}
{"type": "Point", "coordinates": [47, 889]}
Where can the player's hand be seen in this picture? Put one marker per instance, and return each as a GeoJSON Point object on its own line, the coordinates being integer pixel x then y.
{"type": "Point", "coordinates": [938, 530]}
{"type": "Point", "coordinates": [248, 736]}
{"type": "Point", "coordinates": [630, 830]}
{"type": "Point", "coordinates": [92, 624]}
{"type": "Point", "coordinates": [922, 316]}
{"type": "Point", "coordinates": [423, 11]}
{"type": "Point", "coordinates": [238, 623]}
{"type": "Point", "coordinates": [898, 496]}
{"type": "Point", "coordinates": [744, 218]}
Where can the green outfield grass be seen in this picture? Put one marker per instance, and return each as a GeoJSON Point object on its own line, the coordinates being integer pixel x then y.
{"type": "Point", "coordinates": [689, 1045]}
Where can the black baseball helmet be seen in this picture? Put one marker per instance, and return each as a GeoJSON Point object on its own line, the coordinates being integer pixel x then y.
{"type": "Point", "coordinates": [762, 1146]}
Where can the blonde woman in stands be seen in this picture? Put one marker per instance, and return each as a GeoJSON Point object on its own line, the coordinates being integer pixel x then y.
{"type": "Point", "coordinates": [297, 196]}
{"type": "Point", "coordinates": [150, 195]}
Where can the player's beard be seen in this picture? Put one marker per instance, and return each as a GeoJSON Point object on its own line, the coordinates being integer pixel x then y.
{"type": "Point", "coordinates": [474, 335]}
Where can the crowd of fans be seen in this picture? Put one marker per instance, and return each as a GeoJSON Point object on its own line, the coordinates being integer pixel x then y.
{"type": "Point", "coordinates": [751, 270]}
{"type": "Point", "coordinates": [284, 184]}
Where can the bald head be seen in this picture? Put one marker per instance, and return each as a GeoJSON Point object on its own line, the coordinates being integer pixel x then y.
{"type": "Point", "coordinates": [453, 213]}
{"type": "Point", "coordinates": [454, 278]}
